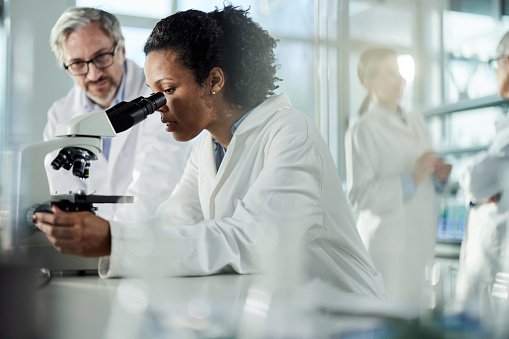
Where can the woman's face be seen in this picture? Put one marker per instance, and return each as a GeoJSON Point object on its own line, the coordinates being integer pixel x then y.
{"type": "Point", "coordinates": [387, 84]}
{"type": "Point", "coordinates": [187, 111]}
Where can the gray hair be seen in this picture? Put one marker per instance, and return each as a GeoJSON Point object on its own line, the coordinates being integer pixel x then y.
{"type": "Point", "coordinates": [78, 17]}
{"type": "Point", "coordinates": [503, 45]}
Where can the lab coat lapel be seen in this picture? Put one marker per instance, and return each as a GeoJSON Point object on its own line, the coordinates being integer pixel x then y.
{"type": "Point", "coordinates": [117, 144]}
{"type": "Point", "coordinates": [256, 118]}
{"type": "Point", "coordinates": [210, 160]}
{"type": "Point", "coordinates": [402, 126]}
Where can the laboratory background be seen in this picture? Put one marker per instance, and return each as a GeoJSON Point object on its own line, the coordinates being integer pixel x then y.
{"type": "Point", "coordinates": [443, 49]}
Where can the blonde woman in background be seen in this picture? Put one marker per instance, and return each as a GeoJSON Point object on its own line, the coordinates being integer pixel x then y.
{"type": "Point", "coordinates": [391, 170]}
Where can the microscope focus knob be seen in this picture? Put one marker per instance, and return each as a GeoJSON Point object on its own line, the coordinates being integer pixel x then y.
{"type": "Point", "coordinates": [45, 207]}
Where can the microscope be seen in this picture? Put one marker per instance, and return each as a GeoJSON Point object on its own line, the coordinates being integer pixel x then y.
{"type": "Point", "coordinates": [79, 141]}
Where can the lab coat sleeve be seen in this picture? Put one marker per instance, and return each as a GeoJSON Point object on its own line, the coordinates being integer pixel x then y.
{"type": "Point", "coordinates": [184, 207]}
{"type": "Point", "coordinates": [366, 188]}
{"type": "Point", "coordinates": [51, 124]}
{"type": "Point", "coordinates": [482, 178]}
{"type": "Point", "coordinates": [282, 203]}
{"type": "Point", "coordinates": [500, 144]}
{"type": "Point", "coordinates": [159, 164]}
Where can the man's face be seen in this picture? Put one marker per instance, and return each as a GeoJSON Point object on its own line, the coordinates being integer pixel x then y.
{"type": "Point", "coordinates": [100, 85]}
{"type": "Point", "coordinates": [503, 77]}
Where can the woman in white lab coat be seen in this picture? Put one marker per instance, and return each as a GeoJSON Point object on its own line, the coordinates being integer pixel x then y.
{"type": "Point", "coordinates": [390, 167]}
{"type": "Point", "coordinates": [259, 188]}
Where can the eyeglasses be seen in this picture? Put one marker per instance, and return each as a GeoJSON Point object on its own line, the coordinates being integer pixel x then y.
{"type": "Point", "coordinates": [493, 63]}
{"type": "Point", "coordinates": [102, 61]}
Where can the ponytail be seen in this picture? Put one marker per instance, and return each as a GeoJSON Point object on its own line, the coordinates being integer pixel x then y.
{"type": "Point", "coordinates": [364, 105]}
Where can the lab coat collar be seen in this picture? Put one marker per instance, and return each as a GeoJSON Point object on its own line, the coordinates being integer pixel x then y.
{"type": "Point", "coordinates": [258, 116]}
{"type": "Point", "coordinates": [261, 113]}
{"type": "Point", "coordinates": [384, 114]}
{"type": "Point", "coordinates": [400, 116]}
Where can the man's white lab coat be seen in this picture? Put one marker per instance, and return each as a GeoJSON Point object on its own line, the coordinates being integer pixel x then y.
{"type": "Point", "coordinates": [399, 235]}
{"type": "Point", "coordinates": [144, 158]}
{"type": "Point", "coordinates": [276, 189]}
{"type": "Point", "coordinates": [484, 245]}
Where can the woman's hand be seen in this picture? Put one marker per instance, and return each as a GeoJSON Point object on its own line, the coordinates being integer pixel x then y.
{"type": "Point", "coordinates": [424, 166]}
{"type": "Point", "coordinates": [79, 233]}
{"type": "Point", "coordinates": [442, 170]}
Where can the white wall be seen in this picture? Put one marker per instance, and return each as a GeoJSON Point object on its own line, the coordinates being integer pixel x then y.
{"type": "Point", "coordinates": [33, 79]}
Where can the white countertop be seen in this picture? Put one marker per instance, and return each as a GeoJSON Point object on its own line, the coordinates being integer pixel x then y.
{"type": "Point", "coordinates": [220, 306]}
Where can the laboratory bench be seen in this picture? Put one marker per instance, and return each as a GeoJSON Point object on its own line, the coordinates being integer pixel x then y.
{"type": "Point", "coordinates": [70, 306]}
{"type": "Point", "coordinates": [218, 306]}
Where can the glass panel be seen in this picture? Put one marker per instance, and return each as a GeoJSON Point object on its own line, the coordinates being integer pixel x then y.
{"type": "Point", "coordinates": [470, 79]}
{"type": "Point", "coordinates": [6, 159]}
{"type": "Point", "coordinates": [135, 39]}
{"type": "Point", "coordinates": [464, 130]}
{"type": "Point", "coordinates": [149, 8]}
{"type": "Point", "coordinates": [296, 62]}
{"type": "Point", "coordinates": [470, 40]}
{"type": "Point", "coordinates": [382, 24]}
{"type": "Point", "coordinates": [280, 17]}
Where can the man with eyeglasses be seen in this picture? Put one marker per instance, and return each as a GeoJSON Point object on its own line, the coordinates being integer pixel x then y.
{"type": "Point", "coordinates": [484, 250]}
{"type": "Point", "coordinates": [141, 161]}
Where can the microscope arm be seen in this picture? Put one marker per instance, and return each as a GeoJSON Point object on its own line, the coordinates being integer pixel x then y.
{"type": "Point", "coordinates": [33, 186]}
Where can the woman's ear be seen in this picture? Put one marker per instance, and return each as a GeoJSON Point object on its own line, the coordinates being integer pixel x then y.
{"type": "Point", "coordinates": [368, 84]}
{"type": "Point", "coordinates": [216, 77]}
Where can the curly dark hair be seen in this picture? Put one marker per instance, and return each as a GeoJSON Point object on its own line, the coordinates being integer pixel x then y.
{"type": "Point", "coordinates": [228, 39]}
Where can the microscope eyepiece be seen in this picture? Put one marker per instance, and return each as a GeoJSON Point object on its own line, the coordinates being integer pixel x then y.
{"type": "Point", "coordinates": [127, 114]}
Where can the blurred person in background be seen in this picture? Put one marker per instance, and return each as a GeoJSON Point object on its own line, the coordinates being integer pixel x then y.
{"type": "Point", "coordinates": [89, 45]}
{"type": "Point", "coordinates": [486, 183]}
{"type": "Point", "coordinates": [392, 177]}
{"type": "Point", "coordinates": [261, 177]}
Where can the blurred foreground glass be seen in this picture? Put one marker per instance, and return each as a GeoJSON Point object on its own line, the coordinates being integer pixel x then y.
{"type": "Point", "coordinates": [441, 308]}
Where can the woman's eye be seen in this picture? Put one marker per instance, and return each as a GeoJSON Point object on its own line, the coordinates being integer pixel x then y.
{"type": "Point", "coordinates": [169, 90]}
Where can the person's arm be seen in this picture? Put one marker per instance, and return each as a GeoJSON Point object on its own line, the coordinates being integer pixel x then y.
{"type": "Point", "coordinates": [79, 233]}
{"type": "Point", "coordinates": [283, 201]}
{"type": "Point", "coordinates": [481, 179]}
{"type": "Point", "coordinates": [486, 174]}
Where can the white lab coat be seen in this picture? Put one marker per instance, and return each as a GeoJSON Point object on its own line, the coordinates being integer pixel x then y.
{"type": "Point", "coordinates": [399, 235]}
{"type": "Point", "coordinates": [277, 181]}
{"type": "Point", "coordinates": [483, 249]}
{"type": "Point", "coordinates": [144, 161]}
